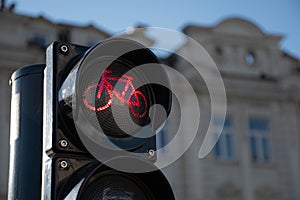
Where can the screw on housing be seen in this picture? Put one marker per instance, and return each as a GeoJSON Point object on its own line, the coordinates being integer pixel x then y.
{"type": "Point", "coordinates": [63, 164]}
{"type": "Point", "coordinates": [63, 143]}
{"type": "Point", "coordinates": [151, 153]}
{"type": "Point", "coordinates": [64, 48]}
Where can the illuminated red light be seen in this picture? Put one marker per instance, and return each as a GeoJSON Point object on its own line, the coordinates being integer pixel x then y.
{"type": "Point", "coordinates": [135, 99]}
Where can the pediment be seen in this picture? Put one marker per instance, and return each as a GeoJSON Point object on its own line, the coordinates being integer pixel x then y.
{"type": "Point", "coordinates": [238, 26]}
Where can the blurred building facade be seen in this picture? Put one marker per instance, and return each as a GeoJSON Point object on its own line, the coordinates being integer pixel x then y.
{"type": "Point", "coordinates": [23, 41]}
{"type": "Point", "coordinates": [257, 155]}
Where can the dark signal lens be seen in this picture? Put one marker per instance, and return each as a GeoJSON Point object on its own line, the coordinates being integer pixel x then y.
{"type": "Point", "coordinates": [116, 186]}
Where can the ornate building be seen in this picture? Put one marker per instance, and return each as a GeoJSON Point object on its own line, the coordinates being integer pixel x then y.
{"type": "Point", "coordinates": [257, 154]}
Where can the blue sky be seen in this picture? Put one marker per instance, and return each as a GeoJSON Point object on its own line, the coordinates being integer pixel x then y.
{"type": "Point", "coordinates": [273, 16]}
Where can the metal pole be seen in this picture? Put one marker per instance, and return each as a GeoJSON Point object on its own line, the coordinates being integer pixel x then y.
{"type": "Point", "coordinates": [26, 133]}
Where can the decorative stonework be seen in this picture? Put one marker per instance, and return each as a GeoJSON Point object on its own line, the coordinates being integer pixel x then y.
{"type": "Point", "coordinates": [228, 191]}
{"type": "Point", "coordinates": [267, 193]}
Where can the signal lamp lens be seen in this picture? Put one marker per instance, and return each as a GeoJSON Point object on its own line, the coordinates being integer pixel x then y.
{"type": "Point", "coordinates": [116, 186]}
{"type": "Point", "coordinates": [110, 97]}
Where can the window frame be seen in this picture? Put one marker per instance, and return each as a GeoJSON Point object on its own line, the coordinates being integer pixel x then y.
{"type": "Point", "coordinates": [263, 156]}
{"type": "Point", "coordinates": [222, 150]}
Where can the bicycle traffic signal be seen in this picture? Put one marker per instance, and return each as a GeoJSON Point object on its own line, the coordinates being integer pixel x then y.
{"type": "Point", "coordinates": [100, 120]}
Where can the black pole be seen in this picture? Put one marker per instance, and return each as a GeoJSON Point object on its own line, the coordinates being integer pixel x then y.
{"type": "Point", "coordinates": [26, 133]}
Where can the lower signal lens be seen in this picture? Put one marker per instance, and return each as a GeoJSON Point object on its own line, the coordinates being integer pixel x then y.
{"type": "Point", "coordinates": [115, 185]}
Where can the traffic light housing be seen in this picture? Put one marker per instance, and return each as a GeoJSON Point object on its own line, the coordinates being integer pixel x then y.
{"type": "Point", "coordinates": [100, 122]}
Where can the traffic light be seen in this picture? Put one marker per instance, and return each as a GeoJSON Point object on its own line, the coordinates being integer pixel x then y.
{"type": "Point", "coordinates": [100, 120]}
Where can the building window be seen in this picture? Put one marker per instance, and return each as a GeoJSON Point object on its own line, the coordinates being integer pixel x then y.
{"type": "Point", "coordinates": [224, 148]}
{"type": "Point", "coordinates": [250, 57]}
{"type": "Point", "coordinates": [259, 140]}
{"type": "Point", "coordinates": [37, 40]}
{"type": "Point", "coordinates": [64, 36]}
{"type": "Point", "coordinates": [219, 51]}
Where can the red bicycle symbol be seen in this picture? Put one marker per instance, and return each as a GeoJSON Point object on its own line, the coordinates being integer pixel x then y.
{"type": "Point", "coordinates": [134, 98]}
